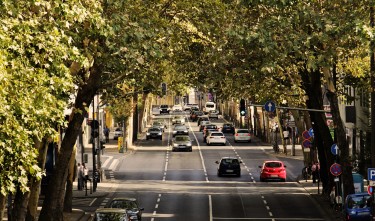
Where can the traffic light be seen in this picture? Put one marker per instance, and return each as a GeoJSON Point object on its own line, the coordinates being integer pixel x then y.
{"type": "Point", "coordinates": [163, 89]}
{"type": "Point", "coordinates": [242, 107]}
{"type": "Point", "coordinates": [94, 128]}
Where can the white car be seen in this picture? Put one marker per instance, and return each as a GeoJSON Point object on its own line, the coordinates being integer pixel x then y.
{"type": "Point", "coordinates": [215, 137]}
{"type": "Point", "coordinates": [242, 135]}
{"type": "Point", "coordinates": [178, 120]}
{"type": "Point", "coordinates": [213, 114]}
{"type": "Point", "coordinates": [177, 108]}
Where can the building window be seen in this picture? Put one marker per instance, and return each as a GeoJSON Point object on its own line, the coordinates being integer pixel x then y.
{"type": "Point", "coordinates": [364, 98]}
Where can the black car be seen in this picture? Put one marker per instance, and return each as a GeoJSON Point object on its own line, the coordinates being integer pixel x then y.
{"type": "Point", "coordinates": [229, 166]}
{"type": "Point", "coordinates": [130, 205]}
{"type": "Point", "coordinates": [195, 114]}
{"type": "Point", "coordinates": [154, 132]}
{"type": "Point", "coordinates": [228, 128]}
{"type": "Point", "coordinates": [180, 129]}
{"type": "Point", "coordinates": [164, 109]}
{"type": "Point", "coordinates": [113, 214]}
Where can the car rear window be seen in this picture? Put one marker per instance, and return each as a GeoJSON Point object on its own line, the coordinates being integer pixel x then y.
{"type": "Point", "coordinates": [217, 134]}
{"type": "Point", "coordinates": [358, 202]}
{"type": "Point", "coordinates": [243, 131]}
{"type": "Point", "coordinates": [273, 164]}
{"type": "Point", "coordinates": [230, 161]}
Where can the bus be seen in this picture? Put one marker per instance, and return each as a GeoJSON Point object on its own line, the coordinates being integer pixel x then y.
{"type": "Point", "coordinates": [209, 106]}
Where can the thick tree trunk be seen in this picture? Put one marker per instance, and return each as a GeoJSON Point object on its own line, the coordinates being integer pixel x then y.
{"type": "Point", "coordinates": [32, 207]}
{"type": "Point", "coordinates": [69, 183]}
{"type": "Point", "coordinates": [311, 83]}
{"type": "Point", "coordinates": [135, 117]}
{"type": "Point", "coordinates": [53, 203]}
{"type": "Point", "coordinates": [142, 113]}
{"type": "Point", "coordinates": [3, 200]}
{"type": "Point", "coordinates": [20, 204]}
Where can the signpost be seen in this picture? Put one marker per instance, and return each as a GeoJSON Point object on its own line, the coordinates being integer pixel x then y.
{"type": "Point", "coordinates": [270, 106]}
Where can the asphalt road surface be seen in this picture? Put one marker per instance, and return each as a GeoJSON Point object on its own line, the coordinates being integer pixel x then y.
{"type": "Point", "coordinates": [184, 185]}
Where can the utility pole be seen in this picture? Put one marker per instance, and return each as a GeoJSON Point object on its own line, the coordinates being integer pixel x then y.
{"type": "Point", "coordinates": [372, 73]}
{"type": "Point", "coordinates": [93, 148]}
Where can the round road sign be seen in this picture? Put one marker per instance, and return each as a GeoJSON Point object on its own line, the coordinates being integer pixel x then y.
{"type": "Point", "coordinates": [335, 169]}
{"type": "Point", "coordinates": [306, 135]}
{"type": "Point", "coordinates": [370, 189]}
{"type": "Point", "coordinates": [306, 143]}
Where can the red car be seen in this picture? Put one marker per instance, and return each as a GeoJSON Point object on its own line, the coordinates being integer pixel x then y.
{"type": "Point", "coordinates": [273, 170]}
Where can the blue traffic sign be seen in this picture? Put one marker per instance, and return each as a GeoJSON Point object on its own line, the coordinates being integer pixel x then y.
{"type": "Point", "coordinates": [270, 106]}
{"type": "Point", "coordinates": [335, 169]}
{"type": "Point", "coordinates": [311, 132]}
{"type": "Point", "coordinates": [370, 190]}
{"type": "Point", "coordinates": [335, 149]}
{"type": "Point", "coordinates": [371, 174]}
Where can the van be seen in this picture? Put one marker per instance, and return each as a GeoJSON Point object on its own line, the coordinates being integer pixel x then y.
{"type": "Point", "coordinates": [209, 106]}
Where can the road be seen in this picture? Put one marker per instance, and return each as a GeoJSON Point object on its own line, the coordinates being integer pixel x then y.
{"type": "Point", "coordinates": [184, 185]}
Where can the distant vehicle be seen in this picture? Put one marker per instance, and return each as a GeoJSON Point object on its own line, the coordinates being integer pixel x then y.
{"type": "Point", "coordinates": [242, 135]}
{"type": "Point", "coordinates": [203, 124]}
{"type": "Point", "coordinates": [155, 109]}
{"type": "Point", "coordinates": [164, 109]}
{"type": "Point", "coordinates": [228, 128]}
{"type": "Point", "coordinates": [213, 114]}
{"type": "Point", "coordinates": [182, 142]}
{"type": "Point", "coordinates": [207, 133]}
{"type": "Point", "coordinates": [273, 170]}
{"type": "Point", "coordinates": [180, 130]}
{"type": "Point", "coordinates": [177, 108]}
{"type": "Point", "coordinates": [160, 125]}
{"type": "Point", "coordinates": [209, 106]}
{"type": "Point", "coordinates": [118, 133]}
{"type": "Point", "coordinates": [202, 118]}
{"type": "Point", "coordinates": [113, 214]}
{"type": "Point", "coordinates": [216, 138]}
{"type": "Point", "coordinates": [357, 207]}
{"type": "Point", "coordinates": [209, 126]}
{"type": "Point", "coordinates": [130, 205]}
{"type": "Point", "coordinates": [178, 120]}
{"type": "Point", "coordinates": [195, 114]}
{"type": "Point", "coordinates": [154, 132]}
{"type": "Point", "coordinates": [229, 166]}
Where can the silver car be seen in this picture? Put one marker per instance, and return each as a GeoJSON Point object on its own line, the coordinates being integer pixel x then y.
{"type": "Point", "coordinates": [180, 130]}
{"type": "Point", "coordinates": [178, 120]}
{"type": "Point", "coordinates": [182, 142]}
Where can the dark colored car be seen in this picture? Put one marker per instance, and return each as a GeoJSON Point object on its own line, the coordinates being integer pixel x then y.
{"type": "Point", "coordinates": [154, 132]}
{"type": "Point", "coordinates": [228, 128]}
{"type": "Point", "coordinates": [130, 205]}
{"type": "Point", "coordinates": [180, 129]}
{"type": "Point", "coordinates": [195, 114]}
{"type": "Point", "coordinates": [164, 109]}
{"type": "Point", "coordinates": [182, 142]}
{"type": "Point", "coordinates": [229, 166]}
{"type": "Point", "coordinates": [113, 214]}
{"type": "Point", "coordinates": [357, 207]}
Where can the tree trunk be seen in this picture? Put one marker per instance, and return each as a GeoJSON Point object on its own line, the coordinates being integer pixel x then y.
{"type": "Point", "coordinates": [142, 113]}
{"type": "Point", "coordinates": [311, 83]}
{"type": "Point", "coordinates": [135, 117]}
{"type": "Point", "coordinates": [20, 204]}
{"type": "Point", "coordinates": [32, 207]}
{"type": "Point", "coordinates": [69, 183]}
{"type": "Point", "coordinates": [53, 203]}
{"type": "Point", "coordinates": [3, 200]}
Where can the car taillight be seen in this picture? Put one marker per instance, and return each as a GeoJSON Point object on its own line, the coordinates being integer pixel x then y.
{"type": "Point", "coordinates": [236, 135]}
{"type": "Point", "coordinates": [248, 135]}
{"type": "Point", "coordinates": [222, 137]}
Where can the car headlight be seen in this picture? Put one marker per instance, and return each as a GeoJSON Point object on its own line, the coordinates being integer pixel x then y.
{"type": "Point", "coordinates": [185, 131]}
{"type": "Point", "coordinates": [353, 212]}
{"type": "Point", "coordinates": [147, 134]}
{"type": "Point", "coordinates": [188, 144]}
{"type": "Point", "coordinates": [174, 132]}
{"type": "Point", "coordinates": [175, 145]}
{"type": "Point", "coordinates": [133, 217]}
{"type": "Point", "coordinates": [159, 133]}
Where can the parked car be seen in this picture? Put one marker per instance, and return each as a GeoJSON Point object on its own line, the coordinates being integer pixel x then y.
{"type": "Point", "coordinates": [195, 114]}
{"type": "Point", "coordinates": [164, 109]}
{"type": "Point", "coordinates": [273, 170]}
{"type": "Point", "coordinates": [357, 207]}
{"type": "Point", "coordinates": [177, 108]}
{"type": "Point", "coordinates": [202, 118]}
{"type": "Point", "coordinates": [180, 130]}
{"type": "Point", "coordinates": [229, 166]}
{"type": "Point", "coordinates": [242, 135]}
{"type": "Point", "coordinates": [130, 205]}
{"type": "Point", "coordinates": [178, 120]}
{"type": "Point", "coordinates": [228, 128]}
{"type": "Point", "coordinates": [113, 214]}
{"type": "Point", "coordinates": [118, 133]}
{"type": "Point", "coordinates": [182, 142]}
{"type": "Point", "coordinates": [154, 133]}
{"type": "Point", "coordinates": [216, 138]}
{"type": "Point", "coordinates": [213, 114]}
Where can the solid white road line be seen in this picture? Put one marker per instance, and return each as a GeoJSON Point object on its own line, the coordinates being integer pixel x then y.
{"type": "Point", "coordinates": [210, 207]}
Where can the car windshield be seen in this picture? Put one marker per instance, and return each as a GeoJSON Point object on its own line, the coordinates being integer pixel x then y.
{"type": "Point", "coordinates": [230, 161]}
{"type": "Point", "coordinates": [110, 217]}
{"type": "Point", "coordinates": [210, 105]}
{"type": "Point", "coordinates": [182, 138]}
{"type": "Point", "coordinates": [123, 204]}
{"type": "Point", "coordinates": [118, 129]}
{"type": "Point", "coordinates": [180, 128]}
{"type": "Point", "coordinates": [358, 202]}
{"type": "Point", "coordinates": [243, 131]}
{"type": "Point", "coordinates": [154, 129]}
{"type": "Point", "coordinates": [273, 164]}
{"type": "Point", "coordinates": [156, 123]}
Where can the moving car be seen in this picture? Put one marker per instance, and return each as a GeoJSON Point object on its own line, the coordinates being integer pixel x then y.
{"type": "Point", "coordinates": [180, 130]}
{"type": "Point", "coordinates": [154, 132]}
{"type": "Point", "coordinates": [209, 126]}
{"type": "Point", "coordinates": [357, 207]}
{"type": "Point", "coordinates": [203, 124]}
{"type": "Point", "coordinates": [182, 142]}
{"type": "Point", "coordinates": [195, 114]}
{"type": "Point", "coordinates": [177, 108]}
{"type": "Point", "coordinates": [273, 170]}
{"type": "Point", "coordinates": [164, 109]}
{"type": "Point", "coordinates": [118, 133]}
{"type": "Point", "coordinates": [113, 214]}
{"type": "Point", "coordinates": [130, 205]}
{"type": "Point", "coordinates": [209, 106]}
{"type": "Point", "coordinates": [229, 166]}
{"type": "Point", "coordinates": [213, 114]}
{"type": "Point", "coordinates": [160, 125]}
{"type": "Point", "coordinates": [207, 133]}
{"type": "Point", "coordinates": [216, 138]}
{"type": "Point", "coordinates": [228, 128]}
{"type": "Point", "coordinates": [202, 118]}
{"type": "Point", "coordinates": [178, 120]}
{"type": "Point", "coordinates": [242, 135]}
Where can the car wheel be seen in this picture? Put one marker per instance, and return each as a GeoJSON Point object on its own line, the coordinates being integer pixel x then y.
{"type": "Point", "coordinates": [239, 174]}
{"type": "Point", "coordinates": [249, 141]}
{"type": "Point", "coordinates": [283, 180]}
{"type": "Point", "coordinates": [219, 174]}
{"type": "Point", "coordinates": [191, 150]}
{"type": "Point", "coordinates": [235, 141]}
{"type": "Point", "coordinates": [147, 138]}
{"type": "Point", "coordinates": [261, 179]}
{"type": "Point", "coordinates": [224, 144]}
{"type": "Point", "coordinates": [161, 138]}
